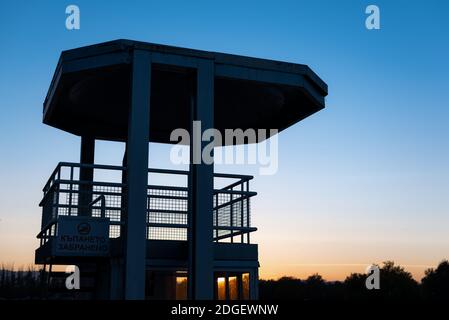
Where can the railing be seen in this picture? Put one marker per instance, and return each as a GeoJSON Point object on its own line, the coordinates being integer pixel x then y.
{"type": "Point", "coordinates": [66, 195]}
{"type": "Point", "coordinates": [232, 209]}
{"type": "Point", "coordinates": [167, 209]}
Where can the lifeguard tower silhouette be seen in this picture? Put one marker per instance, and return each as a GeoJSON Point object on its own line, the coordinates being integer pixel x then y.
{"type": "Point", "coordinates": [133, 238]}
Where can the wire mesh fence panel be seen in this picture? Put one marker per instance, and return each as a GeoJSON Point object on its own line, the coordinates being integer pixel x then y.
{"type": "Point", "coordinates": [230, 210]}
{"type": "Point", "coordinates": [159, 233]}
{"type": "Point", "coordinates": [167, 208]}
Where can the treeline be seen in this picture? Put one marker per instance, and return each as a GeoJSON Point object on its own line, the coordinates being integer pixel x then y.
{"type": "Point", "coordinates": [395, 284]}
{"type": "Point", "coordinates": [21, 283]}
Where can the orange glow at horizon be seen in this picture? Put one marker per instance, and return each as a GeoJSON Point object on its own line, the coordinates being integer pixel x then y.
{"type": "Point", "coordinates": [285, 248]}
{"type": "Point", "coordinates": [271, 266]}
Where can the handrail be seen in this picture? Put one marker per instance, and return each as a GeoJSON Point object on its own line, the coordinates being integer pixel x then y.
{"type": "Point", "coordinates": [242, 179]}
{"type": "Point", "coordinates": [235, 184]}
{"type": "Point", "coordinates": [51, 178]}
{"type": "Point", "coordinates": [63, 205]}
{"type": "Point", "coordinates": [168, 171]}
{"type": "Point", "coordinates": [150, 170]}
{"type": "Point", "coordinates": [248, 193]}
{"type": "Point", "coordinates": [247, 230]}
{"type": "Point", "coordinates": [231, 202]}
{"type": "Point", "coordinates": [47, 226]}
{"type": "Point", "coordinates": [78, 165]}
{"type": "Point", "coordinates": [97, 183]}
{"type": "Point", "coordinates": [103, 204]}
{"type": "Point", "coordinates": [161, 187]}
{"type": "Point", "coordinates": [78, 182]}
{"type": "Point", "coordinates": [91, 166]}
{"type": "Point", "coordinates": [233, 176]}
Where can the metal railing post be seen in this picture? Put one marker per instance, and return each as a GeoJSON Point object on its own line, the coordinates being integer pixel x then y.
{"type": "Point", "coordinates": [247, 212]}
{"type": "Point", "coordinates": [216, 216]}
{"type": "Point", "coordinates": [242, 240]}
{"type": "Point", "coordinates": [232, 216]}
{"type": "Point", "coordinates": [71, 190]}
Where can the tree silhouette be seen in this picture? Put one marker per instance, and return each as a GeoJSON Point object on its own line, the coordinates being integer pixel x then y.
{"type": "Point", "coordinates": [314, 287]}
{"type": "Point", "coordinates": [395, 284]}
{"type": "Point", "coordinates": [435, 284]}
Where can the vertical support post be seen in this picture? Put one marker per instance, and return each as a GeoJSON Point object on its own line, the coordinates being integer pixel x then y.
{"type": "Point", "coordinates": [247, 213]}
{"type": "Point", "coordinates": [215, 280]}
{"type": "Point", "coordinates": [87, 156]}
{"type": "Point", "coordinates": [231, 216]}
{"type": "Point", "coordinates": [116, 280]}
{"type": "Point", "coordinates": [227, 286]}
{"type": "Point", "coordinates": [49, 275]}
{"type": "Point", "coordinates": [201, 185]}
{"type": "Point", "coordinates": [254, 284]}
{"type": "Point", "coordinates": [240, 286]}
{"type": "Point", "coordinates": [242, 199]}
{"type": "Point", "coordinates": [124, 202]}
{"type": "Point", "coordinates": [42, 281]}
{"type": "Point", "coordinates": [137, 176]}
{"type": "Point", "coordinates": [56, 205]}
{"type": "Point", "coordinates": [71, 191]}
{"type": "Point", "coordinates": [216, 219]}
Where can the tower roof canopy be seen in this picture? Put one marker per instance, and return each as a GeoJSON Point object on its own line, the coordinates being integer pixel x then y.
{"type": "Point", "coordinates": [90, 92]}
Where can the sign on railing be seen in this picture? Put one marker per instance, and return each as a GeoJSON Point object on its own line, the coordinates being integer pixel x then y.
{"type": "Point", "coordinates": [82, 236]}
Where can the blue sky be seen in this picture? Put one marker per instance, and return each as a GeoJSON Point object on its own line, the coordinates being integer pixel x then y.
{"type": "Point", "coordinates": [362, 181]}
